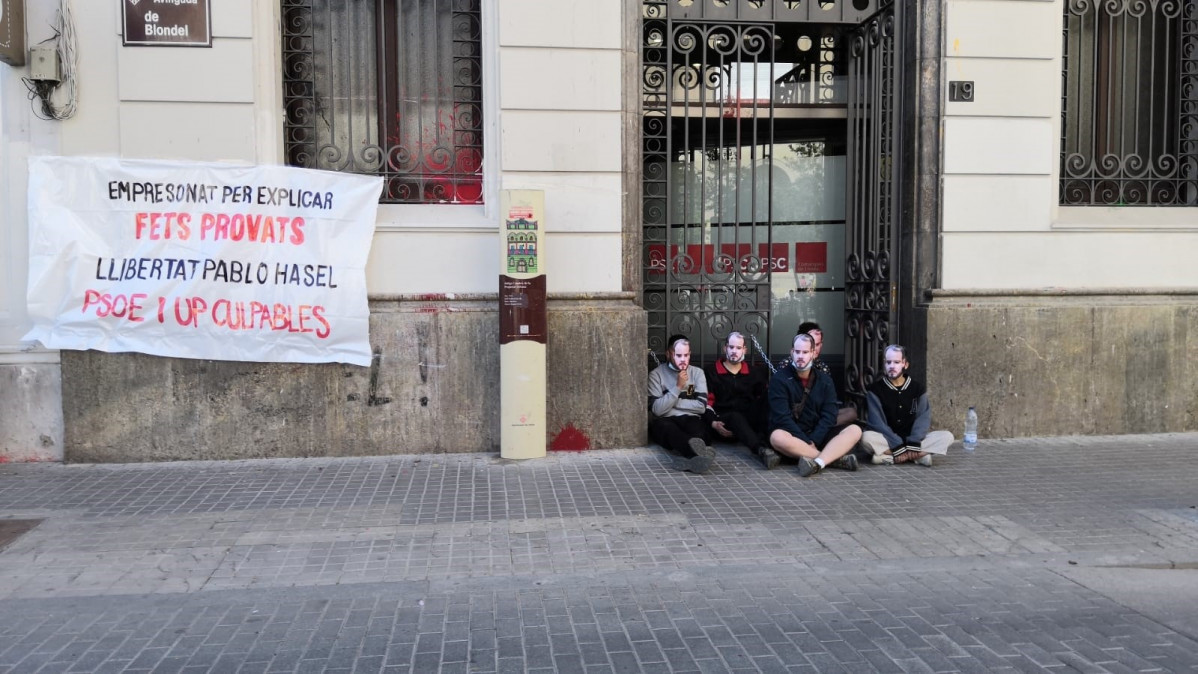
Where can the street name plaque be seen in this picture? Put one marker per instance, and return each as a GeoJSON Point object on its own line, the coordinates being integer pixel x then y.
{"type": "Point", "coordinates": [167, 23]}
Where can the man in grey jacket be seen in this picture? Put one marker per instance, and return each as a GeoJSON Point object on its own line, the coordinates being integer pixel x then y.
{"type": "Point", "coordinates": [679, 416]}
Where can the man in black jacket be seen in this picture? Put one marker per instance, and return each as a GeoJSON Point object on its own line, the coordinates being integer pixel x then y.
{"type": "Point", "coordinates": [737, 394]}
{"type": "Point", "coordinates": [899, 416]}
{"type": "Point", "coordinates": [803, 415]}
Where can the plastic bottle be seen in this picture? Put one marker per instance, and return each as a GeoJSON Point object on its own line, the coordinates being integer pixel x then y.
{"type": "Point", "coordinates": [970, 441]}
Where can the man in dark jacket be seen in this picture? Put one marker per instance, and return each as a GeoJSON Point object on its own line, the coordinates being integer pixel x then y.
{"type": "Point", "coordinates": [817, 333]}
{"type": "Point", "coordinates": [802, 424]}
{"type": "Point", "coordinates": [737, 394]}
{"type": "Point", "coordinates": [899, 416]}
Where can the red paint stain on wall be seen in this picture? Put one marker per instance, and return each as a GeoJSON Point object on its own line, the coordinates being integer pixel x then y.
{"type": "Point", "coordinates": [570, 439]}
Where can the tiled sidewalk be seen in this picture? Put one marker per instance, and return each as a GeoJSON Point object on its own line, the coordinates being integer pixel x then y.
{"type": "Point", "coordinates": [598, 561]}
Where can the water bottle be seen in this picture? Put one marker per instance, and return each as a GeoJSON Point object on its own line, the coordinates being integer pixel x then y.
{"type": "Point", "coordinates": [970, 442]}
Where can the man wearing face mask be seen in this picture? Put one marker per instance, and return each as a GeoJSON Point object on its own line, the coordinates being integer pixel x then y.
{"type": "Point", "coordinates": [802, 402]}
{"type": "Point", "coordinates": [817, 334]}
{"type": "Point", "coordinates": [845, 414]}
{"type": "Point", "coordinates": [737, 394]}
{"type": "Point", "coordinates": [899, 416]}
{"type": "Point", "coordinates": [679, 415]}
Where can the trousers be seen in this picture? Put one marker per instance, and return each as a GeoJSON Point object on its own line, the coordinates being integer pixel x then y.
{"type": "Point", "coordinates": [936, 442]}
{"type": "Point", "coordinates": [744, 430]}
{"type": "Point", "coordinates": [674, 433]}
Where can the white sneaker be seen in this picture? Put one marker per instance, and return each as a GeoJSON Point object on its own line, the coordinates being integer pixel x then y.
{"type": "Point", "coordinates": [882, 459]}
{"type": "Point", "coordinates": [925, 460]}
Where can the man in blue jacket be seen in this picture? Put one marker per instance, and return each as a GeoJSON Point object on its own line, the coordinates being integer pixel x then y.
{"type": "Point", "coordinates": [803, 409]}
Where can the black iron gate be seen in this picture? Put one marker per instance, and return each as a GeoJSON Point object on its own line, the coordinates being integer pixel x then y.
{"type": "Point", "coordinates": [705, 274]}
{"type": "Point", "coordinates": [717, 76]}
{"type": "Point", "coordinates": [874, 195]}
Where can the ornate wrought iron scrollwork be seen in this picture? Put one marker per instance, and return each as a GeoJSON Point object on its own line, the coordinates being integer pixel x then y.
{"type": "Point", "coordinates": [816, 11]}
{"type": "Point", "coordinates": [1129, 74]}
{"type": "Point", "coordinates": [704, 273]}
{"type": "Point", "coordinates": [872, 238]}
{"type": "Point", "coordinates": [357, 99]}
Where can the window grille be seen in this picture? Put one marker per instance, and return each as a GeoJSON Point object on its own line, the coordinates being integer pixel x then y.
{"type": "Point", "coordinates": [390, 88]}
{"type": "Point", "coordinates": [1130, 103]}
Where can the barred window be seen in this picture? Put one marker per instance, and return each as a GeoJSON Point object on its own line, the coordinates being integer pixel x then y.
{"type": "Point", "coordinates": [390, 88]}
{"type": "Point", "coordinates": [1130, 103]}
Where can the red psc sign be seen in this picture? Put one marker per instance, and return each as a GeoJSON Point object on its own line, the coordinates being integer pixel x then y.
{"type": "Point", "coordinates": [808, 258]}
{"type": "Point", "coordinates": [696, 256]}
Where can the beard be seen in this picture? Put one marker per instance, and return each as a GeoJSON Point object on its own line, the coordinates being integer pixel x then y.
{"type": "Point", "coordinates": [810, 363]}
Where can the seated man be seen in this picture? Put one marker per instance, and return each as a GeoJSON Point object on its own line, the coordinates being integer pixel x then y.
{"type": "Point", "coordinates": [812, 328]}
{"type": "Point", "coordinates": [679, 416]}
{"type": "Point", "coordinates": [899, 416]}
{"type": "Point", "coordinates": [802, 404]}
{"type": "Point", "coordinates": [737, 394]}
{"type": "Point", "coordinates": [845, 414]}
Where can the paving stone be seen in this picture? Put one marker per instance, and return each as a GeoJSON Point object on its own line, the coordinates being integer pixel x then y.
{"type": "Point", "coordinates": [600, 561]}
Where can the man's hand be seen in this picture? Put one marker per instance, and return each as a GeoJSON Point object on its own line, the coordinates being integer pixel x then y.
{"type": "Point", "coordinates": [684, 377]}
{"type": "Point", "coordinates": [721, 429]}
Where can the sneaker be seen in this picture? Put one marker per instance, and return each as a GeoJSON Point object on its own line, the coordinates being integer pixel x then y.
{"type": "Point", "coordinates": [846, 462]}
{"type": "Point", "coordinates": [769, 458]}
{"type": "Point", "coordinates": [807, 467]}
{"type": "Point", "coordinates": [925, 460]}
{"type": "Point", "coordinates": [697, 464]}
{"type": "Point", "coordinates": [700, 448]}
{"type": "Point", "coordinates": [882, 459]}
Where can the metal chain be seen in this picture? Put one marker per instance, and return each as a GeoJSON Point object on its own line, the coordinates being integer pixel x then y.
{"type": "Point", "coordinates": [764, 356]}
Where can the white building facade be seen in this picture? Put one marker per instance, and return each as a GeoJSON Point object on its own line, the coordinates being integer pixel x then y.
{"type": "Point", "coordinates": [708, 166]}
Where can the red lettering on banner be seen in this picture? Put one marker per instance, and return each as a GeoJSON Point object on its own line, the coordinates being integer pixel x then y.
{"type": "Point", "coordinates": [158, 226]}
{"type": "Point", "coordinates": [117, 305]}
{"type": "Point", "coordinates": [325, 329]}
{"type": "Point", "coordinates": [248, 227]}
{"type": "Point", "coordinates": [811, 257]}
{"type": "Point", "coordinates": [236, 315]}
{"type": "Point", "coordinates": [195, 307]}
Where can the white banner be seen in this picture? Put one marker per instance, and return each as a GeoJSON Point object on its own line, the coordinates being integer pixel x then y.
{"type": "Point", "coordinates": [251, 263]}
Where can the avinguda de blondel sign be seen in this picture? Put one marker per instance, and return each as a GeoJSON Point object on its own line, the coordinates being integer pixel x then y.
{"type": "Point", "coordinates": [167, 23]}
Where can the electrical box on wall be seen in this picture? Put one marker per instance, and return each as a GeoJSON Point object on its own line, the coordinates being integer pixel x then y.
{"type": "Point", "coordinates": [12, 32]}
{"type": "Point", "coordinates": [44, 64]}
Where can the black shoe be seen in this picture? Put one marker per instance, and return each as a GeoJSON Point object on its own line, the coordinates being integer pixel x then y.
{"type": "Point", "coordinates": [769, 458]}
{"type": "Point", "coordinates": [846, 462]}
{"type": "Point", "coordinates": [700, 448]}
{"type": "Point", "coordinates": [697, 464]}
{"type": "Point", "coordinates": [807, 467]}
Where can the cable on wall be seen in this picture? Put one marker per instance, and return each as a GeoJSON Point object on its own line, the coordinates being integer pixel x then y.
{"type": "Point", "coordinates": [55, 97]}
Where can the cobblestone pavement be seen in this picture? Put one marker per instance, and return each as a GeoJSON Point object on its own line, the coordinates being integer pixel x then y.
{"type": "Point", "coordinates": [1064, 554]}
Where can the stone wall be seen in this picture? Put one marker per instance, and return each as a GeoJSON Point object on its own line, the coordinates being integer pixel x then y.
{"type": "Point", "coordinates": [30, 416]}
{"type": "Point", "coordinates": [433, 387]}
{"type": "Point", "coordinates": [1064, 364]}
